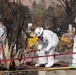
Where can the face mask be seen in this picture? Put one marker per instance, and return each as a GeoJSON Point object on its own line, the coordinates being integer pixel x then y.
{"type": "Point", "coordinates": [41, 38]}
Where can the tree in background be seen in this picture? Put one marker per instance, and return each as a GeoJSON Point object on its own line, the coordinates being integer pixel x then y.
{"type": "Point", "coordinates": [15, 17]}
{"type": "Point", "coordinates": [53, 16]}
{"type": "Point", "coordinates": [38, 14]}
{"type": "Point", "coordinates": [69, 6]}
{"type": "Point", "coordinates": [70, 9]}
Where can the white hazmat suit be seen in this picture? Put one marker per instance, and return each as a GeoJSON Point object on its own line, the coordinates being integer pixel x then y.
{"type": "Point", "coordinates": [47, 44]}
{"type": "Point", "coordinates": [2, 38]}
{"type": "Point", "coordinates": [74, 50]}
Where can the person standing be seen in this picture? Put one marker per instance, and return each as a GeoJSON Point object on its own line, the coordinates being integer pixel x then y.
{"type": "Point", "coordinates": [74, 51]}
{"type": "Point", "coordinates": [2, 38]}
{"type": "Point", "coordinates": [47, 42]}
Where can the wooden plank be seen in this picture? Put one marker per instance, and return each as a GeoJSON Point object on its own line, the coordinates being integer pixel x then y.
{"type": "Point", "coordinates": [58, 72]}
{"type": "Point", "coordinates": [42, 73]}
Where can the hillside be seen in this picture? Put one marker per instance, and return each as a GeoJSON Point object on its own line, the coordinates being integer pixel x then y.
{"type": "Point", "coordinates": [30, 2]}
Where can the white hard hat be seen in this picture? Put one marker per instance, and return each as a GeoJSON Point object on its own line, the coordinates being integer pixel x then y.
{"type": "Point", "coordinates": [38, 31]}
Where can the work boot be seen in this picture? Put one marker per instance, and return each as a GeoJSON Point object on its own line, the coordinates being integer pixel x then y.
{"type": "Point", "coordinates": [48, 65]}
{"type": "Point", "coordinates": [74, 67]}
{"type": "Point", "coordinates": [40, 65]}
{"type": "Point", "coordinates": [37, 65]}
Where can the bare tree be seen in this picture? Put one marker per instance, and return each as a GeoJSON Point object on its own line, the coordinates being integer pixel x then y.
{"type": "Point", "coordinates": [15, 18]}
{"type": "Point", "coordinates": [69, 6]}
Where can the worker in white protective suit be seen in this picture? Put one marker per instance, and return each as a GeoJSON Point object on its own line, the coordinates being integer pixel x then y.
{"type": "Point", "coordinates": [48, 41]}
{"type": "Point", "coordinates": [74, 50]}
{"type": "Point", "coordinates": [2, 38]}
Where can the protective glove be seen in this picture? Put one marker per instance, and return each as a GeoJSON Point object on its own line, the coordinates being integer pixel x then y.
{"type": "Point", "coordinates": [38, 49]}
{"type": "Point", "coordinates": [46, 52]}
